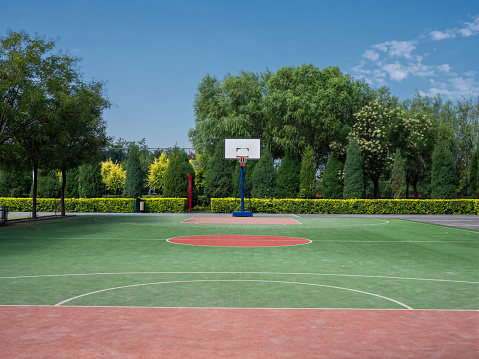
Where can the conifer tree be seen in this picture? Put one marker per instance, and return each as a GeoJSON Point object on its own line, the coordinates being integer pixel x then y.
{"type": "Point", "coordinates": [288, 176]}
{"type": "Point", "coordinates": [307, 185]}
{"type": "Point", "coordinates": [134, 175]}
{"type": "Point", "coordinates": [474, 174]}
{"type": "Point", "coordinates": [398, 176]}
{"type": "Point", "coordinates": [264, 177]}
{"type": "Point", "coordinates": [333, 183]}
{"type": "Point", "coordinates": [219, 179]}
{"type": "Point", "coordinates": [176, 176]}
{"type": "Point", "coordinates": [353, 172]}
{"type": "Point", "coordinates": [443, 173]}
{"type": "Point", "coordinates": [90, 182]}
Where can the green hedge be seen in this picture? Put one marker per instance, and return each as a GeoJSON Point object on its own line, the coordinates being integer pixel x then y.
{"type": "Point", "coordinates": [99, 205]}
{"type": "Point", "coordinates": [350, 206]}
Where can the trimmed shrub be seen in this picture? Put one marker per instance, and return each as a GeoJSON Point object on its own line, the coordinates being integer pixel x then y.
{"type": "Point", "coordinates": [96, 205]}
{"type": "Point", "coordinates": [48, 184]}
{"type": "Point", "coordinates": [351, 206]}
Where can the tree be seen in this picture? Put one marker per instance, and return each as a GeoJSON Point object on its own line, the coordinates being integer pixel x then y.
{"type": "Point", "coordinates": [264, 179]}
{"type": "Point", "coordinates": [80, 132]}
{"type": "Point", "coordinates": [156, 173]}
{"type": "Point", "coordinates": [113, 176]}
{"type": "Point", "coordinates": [443, 176]}
{"type": "Point", "coordinates": [398, 176]}
{"type": "Point", "coordinates": [29, 73]}
{"type": "Point", "coordinates": [48, 184]}
{"type": "Point", "coordinates": [306, 106]}
{"type": "Point", "coordinates": [371, 132]}
{"type": "Point", "coordinates": [134, 175]}
{"type": "Point", "coordinates": [353, 172]}
{"type": "Point", "coordinates": [288, 176]}
{"type": "Point", "coordinates": [227, 108]}
{"type": "Point", "coordinates": [474, 173]}
{"type": "Point", "coordinates": [307, 174]}
{"type": "Point", "coordinates": [72, 189]}
{"type": "Point", "coordinates": [15, 182]}
{"type": "Point", "coordinates": [176, 175]}
{"type": "Point", "coordinates": [90, 181]}
{"type": "Point", "coordinates": [219, 178]}
{"type": "Point", "coordinates": [333, 178]}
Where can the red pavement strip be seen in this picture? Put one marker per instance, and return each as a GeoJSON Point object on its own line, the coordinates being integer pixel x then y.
{"type": "Point", "coordinates": [241, 220]}
{"type": "Point", "coordinates": [115, 332]}
{"type": "Point", "coordinates": [238, 240]}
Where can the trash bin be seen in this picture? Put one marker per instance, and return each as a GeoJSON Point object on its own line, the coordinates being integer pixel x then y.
{"type": "Point", "coordinates": [3, 214]}
{"type": "Point", "coordinates": [138, 205]}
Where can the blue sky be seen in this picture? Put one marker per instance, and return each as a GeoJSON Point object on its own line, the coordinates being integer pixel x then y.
{"type": "Point", "coordinates": [153, 54]}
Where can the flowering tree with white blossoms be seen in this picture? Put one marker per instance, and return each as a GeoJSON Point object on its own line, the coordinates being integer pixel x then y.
{"type": "Point", "coordinates": [371, 131]}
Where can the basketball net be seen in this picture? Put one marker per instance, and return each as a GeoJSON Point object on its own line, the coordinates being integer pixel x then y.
{"type": "Point", "coordinates": [242, 160]}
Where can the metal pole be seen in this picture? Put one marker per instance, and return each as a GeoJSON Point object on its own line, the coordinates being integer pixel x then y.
{"type": "Point", "coordinates": [242, 188]}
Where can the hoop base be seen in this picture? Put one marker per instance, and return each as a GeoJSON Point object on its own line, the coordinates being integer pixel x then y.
{"type": "Point", "coordinates": [242, 214]}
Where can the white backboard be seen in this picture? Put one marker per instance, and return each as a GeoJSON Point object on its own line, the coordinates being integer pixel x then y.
{"type": "Point", "coordinates": [235, 147]}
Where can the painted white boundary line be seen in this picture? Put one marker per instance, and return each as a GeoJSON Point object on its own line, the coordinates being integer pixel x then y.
{"type": "Point", "coordinates": [231, 308]}
{"type": "Point", "coordinates": [262, 273]}
{"type": "Point", "coordinates": [234, 280]}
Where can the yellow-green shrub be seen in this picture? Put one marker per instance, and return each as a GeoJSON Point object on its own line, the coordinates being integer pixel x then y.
{"type": "Point", "coordinates": [98, 205]}
{"type": "Point", "coordinates": [350, 206]}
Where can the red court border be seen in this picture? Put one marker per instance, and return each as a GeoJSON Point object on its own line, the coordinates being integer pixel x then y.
{"type": "Point", "coordinates": [241, 220]}
{"type": "Point", "coordinates": [239, 240]}
{"type": "Point", "coordinates": [127, 332]}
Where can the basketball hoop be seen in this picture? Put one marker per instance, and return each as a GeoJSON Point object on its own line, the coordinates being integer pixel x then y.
{"type": "Point", "coordinates": [242, 160]}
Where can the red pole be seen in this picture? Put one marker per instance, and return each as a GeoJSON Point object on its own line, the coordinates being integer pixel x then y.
{"type": "Point", "coordinates": [190, 189]}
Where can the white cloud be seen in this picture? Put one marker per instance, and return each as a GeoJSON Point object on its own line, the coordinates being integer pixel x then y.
{"type": "Point", "coordinates": [396, 71]}
{"type": "Point", "coordinates": [469, 29]}
{"type": "Point", "coordinates": [398, 61]}
{"type": "Point", "coordinates": [371, 55]}
{"type": "Point", "coordinates": [438, 35]}
{"type": "Point", "coordinates": [397, 48]}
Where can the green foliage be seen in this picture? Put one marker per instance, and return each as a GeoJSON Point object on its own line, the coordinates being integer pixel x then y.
{"type": "Point", "coordinates": [474, 174]}
{"type": "Point", "coordinates": [134, 175]}
{"type": "Point", "coordinates": [219, 179]}
{"type": "Point", "coordinates": [398, 177]}
{"type": "Point", "coordinates": [264, 179]}
{"type": "Point", "coordinates": [113, 176]}
{"type": "Point", "coordinates": [72, 183]}
{"type": "Point", "coordinates": [96, 205]}
{"type": "Point", "coordinates": [353, 172]}
{"type": "Point", "coordinates": [90, 182]}
{"type": "Point", "coordinates": [333, 178]}
{"type": "Point", "coordinates": [307, 175]}
{"type": "Point", "coordinates": [156, 173]}
{"type": "Point", "coordinates": [352, 206]}
{"type": "Point", "coordinates": [31, 73]}
{"type": "Point", "coordinates": [176, 176]}
{"type": "Point", "coordinates": [288, 176]}
{"type": "Point", "coordinates": [15, 183]}
{"type": "Point", "coordinates": [48, 184]}
{"type": "Point", "coordinates": [443, 177]}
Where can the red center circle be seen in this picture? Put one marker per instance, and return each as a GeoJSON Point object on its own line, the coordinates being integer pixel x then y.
{"type": "Point", "coordinates": [239, 240]}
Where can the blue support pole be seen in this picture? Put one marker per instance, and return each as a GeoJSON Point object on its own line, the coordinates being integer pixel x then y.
{"type": "Point", "coordinates": [242, 213]}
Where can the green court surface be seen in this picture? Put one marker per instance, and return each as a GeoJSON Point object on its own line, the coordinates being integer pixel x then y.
{"type": "Point", "coordinates": [98, 260]}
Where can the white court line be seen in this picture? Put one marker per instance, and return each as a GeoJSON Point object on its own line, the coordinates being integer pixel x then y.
{"type": "Point", "coordinates": [262, 273]}
{"type": "Point", "coordinates": [234, 280]}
